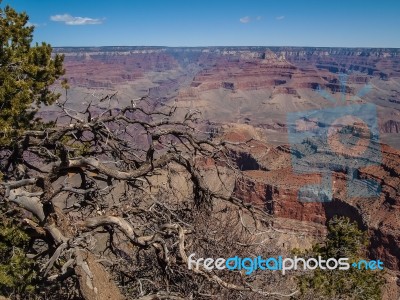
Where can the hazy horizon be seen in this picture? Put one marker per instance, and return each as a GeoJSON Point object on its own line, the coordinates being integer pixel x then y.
{"type": "Point", "coordinates": [222, 46]}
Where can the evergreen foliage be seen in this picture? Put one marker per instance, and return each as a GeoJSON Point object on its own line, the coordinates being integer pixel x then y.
{"type": "Point", "coordinates": [344, 239]}
{"type": "Point", "coordinates": [26, 73]}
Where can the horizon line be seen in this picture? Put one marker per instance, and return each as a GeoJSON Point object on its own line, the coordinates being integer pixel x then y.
{"type": "Point", "coordinates": [249, 46]}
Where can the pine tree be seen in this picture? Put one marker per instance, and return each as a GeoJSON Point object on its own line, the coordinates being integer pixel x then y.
{"type": "Point", "coordinates": [26, 74]}
{"type": "Point", "coordinates": [344, 239]}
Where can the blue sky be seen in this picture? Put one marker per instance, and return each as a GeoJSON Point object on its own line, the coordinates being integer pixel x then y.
{"type": "Point", "coordinates": [350, 23]}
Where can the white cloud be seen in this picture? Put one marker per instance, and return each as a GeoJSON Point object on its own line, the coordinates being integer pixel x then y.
{"type": "Point", "coordinates": [245, 20]}
{"type": "Point", "coordinates": [280, 18]}
{"type": "Point", "coordinates": [258, 18]}
{"type": "Point", "coordinates": [70, 20]}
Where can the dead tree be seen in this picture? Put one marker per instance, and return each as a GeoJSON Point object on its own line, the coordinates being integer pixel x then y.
{"type": "Point", "coordinates": [115, 200]}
